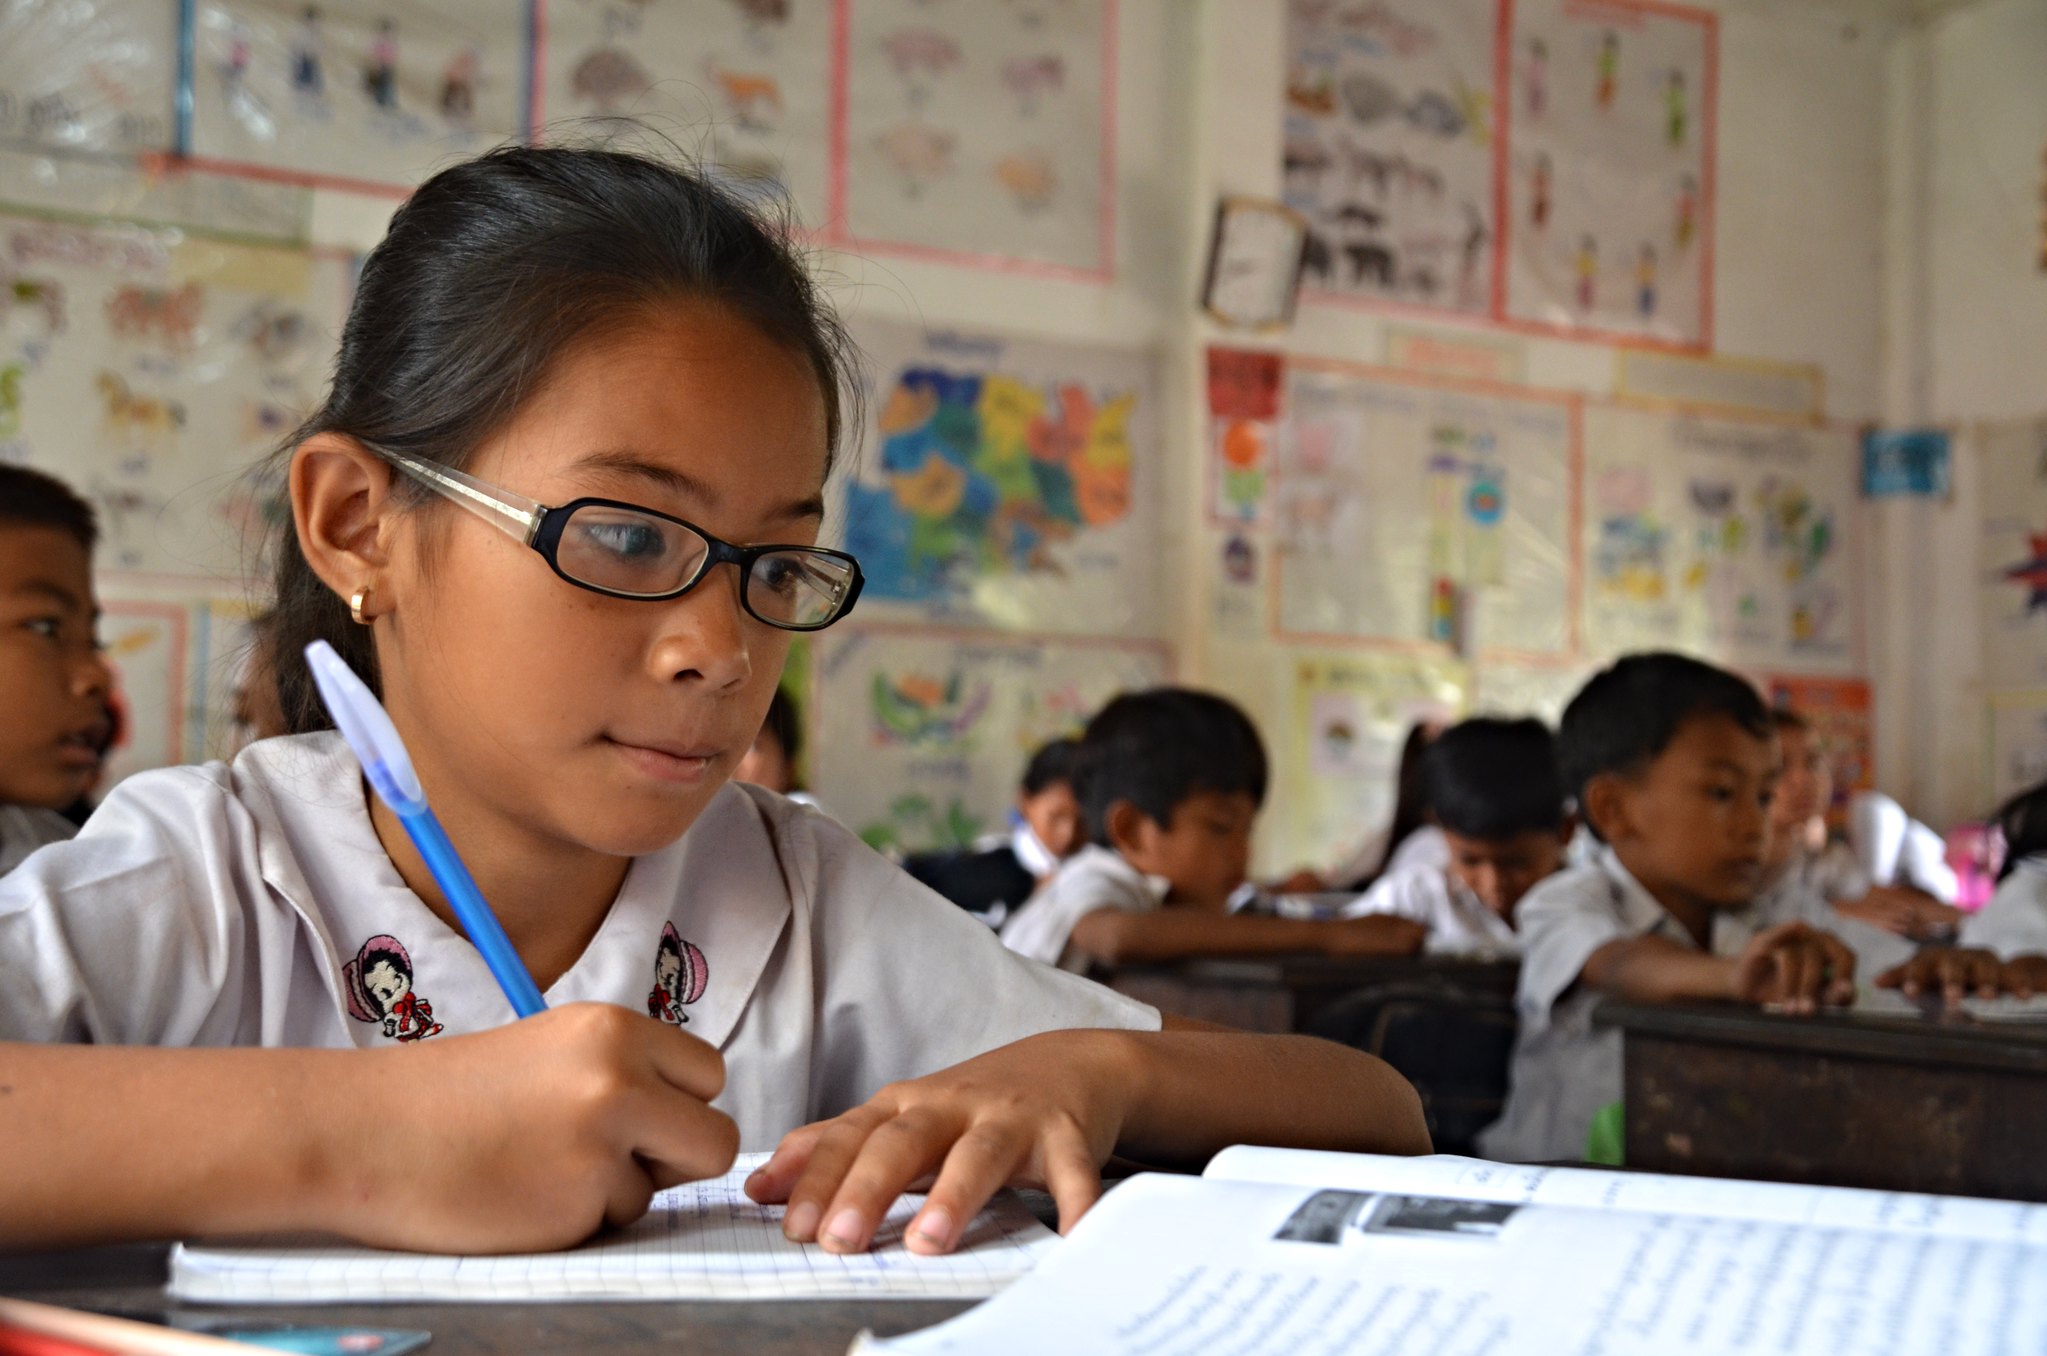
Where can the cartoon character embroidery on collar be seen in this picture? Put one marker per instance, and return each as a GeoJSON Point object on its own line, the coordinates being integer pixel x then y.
{"type": "Point", "coordinates": [680, 974]}
{"type": "Point", "coordinates": [379, 984]}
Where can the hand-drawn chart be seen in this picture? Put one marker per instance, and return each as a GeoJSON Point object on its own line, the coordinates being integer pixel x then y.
{"type": "Point", "coordinates": [1417, 514]}
{"type": "Point", "coordinates": [89, 77]}
{"type": "Point", "coordinates": [1008, 483]}
{"type": "Point", "coordinates": [930, 731]}
{"type": "Point", "coordinates": [743, 84]}
{"type": "Point", "coordinates": [980, 131]}
{"type": "Point", "coordinates": [1390, 137]}
{"type": "Point", "coordinates": [361, 91]}
{"type": "Point", "coordinates": [2014, 554]}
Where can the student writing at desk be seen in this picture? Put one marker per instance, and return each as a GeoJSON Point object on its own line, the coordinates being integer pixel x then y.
{"type": "Point", "coordinates": [1673, 765]}
{"type": "Point", "coordinates": [569, 381]}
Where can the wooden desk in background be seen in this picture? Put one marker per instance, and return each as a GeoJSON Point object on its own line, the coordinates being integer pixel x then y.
{"type": "Point", "coordinates": [1892, 1101]}
{"type": "Point", "coordinates": [1287, 993]}
{"type": "Point", "coordinates": [113, 1280]}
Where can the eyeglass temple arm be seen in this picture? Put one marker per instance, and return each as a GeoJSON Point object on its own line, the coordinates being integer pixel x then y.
{"type": "Point", "coordinates": [515, 515]}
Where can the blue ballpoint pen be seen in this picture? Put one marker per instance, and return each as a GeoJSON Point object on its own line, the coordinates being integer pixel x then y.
{"type": "Point", "coordinates": [366, 726]}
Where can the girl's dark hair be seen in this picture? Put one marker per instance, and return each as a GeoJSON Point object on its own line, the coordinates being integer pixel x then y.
{"type": "Point", "coordinates": [2023, 821]}
{"type": "Point", "coordinates": [490, 273]}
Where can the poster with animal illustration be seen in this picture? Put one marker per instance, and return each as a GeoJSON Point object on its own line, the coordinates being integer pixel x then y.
{"type": "Point", "coordinates": [1609, 168]}
{"type": "Point", "coordinates": [2014, 554]}
{"type": "Point", "coordinates": [94, 77]}
{"type": "Point", "coordinates": [1336, 762]}
{"type": "Point", "coordinates": [1007, 483]}
{"type": "Point", "coordinates": [980, 131]}
{"type": "Point", "coordinates": [1739, 539]}
{"type": "Point", "coordinates": [923, 735]}
{"type": "Point", "coordinates": [744, 85]}
{"type": "Point", "coordinates": [1423, 514]}
{"type": "Point", "coordinates": [363, 92]}
{"type": "Point", "coordinates": [1389, 148]}
{"type": "Point", "coordinates": [151, 369]}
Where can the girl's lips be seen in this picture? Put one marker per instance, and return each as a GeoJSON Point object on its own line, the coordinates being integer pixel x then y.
{"type": "Point", "coordinates": [679, 765]}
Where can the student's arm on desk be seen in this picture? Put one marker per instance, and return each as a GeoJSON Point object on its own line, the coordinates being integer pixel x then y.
{"type": "Point", "coordinates": [524, 1138]}
{"type": "Point", "coordinates": [1125, 937]}
{"type": "Point", "coordinates": [1958, 972]}
{"type": "Point", "coordinates": [1790, 966]}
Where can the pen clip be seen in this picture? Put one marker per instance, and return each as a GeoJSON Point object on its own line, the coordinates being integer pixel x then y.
{"type": "Point", "coordinates": [367, 727]}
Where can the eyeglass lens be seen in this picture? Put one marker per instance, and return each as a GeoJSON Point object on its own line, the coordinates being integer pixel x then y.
{"type": "Point", "coordinates": [638, 554]}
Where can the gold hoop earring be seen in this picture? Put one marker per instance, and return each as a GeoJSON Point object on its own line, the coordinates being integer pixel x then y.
{"type": "Point", "coordinates": [355, 602]}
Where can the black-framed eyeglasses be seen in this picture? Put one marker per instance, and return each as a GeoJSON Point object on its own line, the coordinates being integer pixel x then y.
{"type": "Point", "coordinates": [626, 551]}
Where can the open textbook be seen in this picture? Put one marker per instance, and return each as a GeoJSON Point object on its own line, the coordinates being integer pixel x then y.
{"type": "Point", "coordinates": [1277, 1250]}
{"type": "Point", "coordinates": [706, 1240]}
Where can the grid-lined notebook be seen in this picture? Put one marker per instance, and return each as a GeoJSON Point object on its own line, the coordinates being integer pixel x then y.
{"type": "Point", "coordinates": [701, 1241]}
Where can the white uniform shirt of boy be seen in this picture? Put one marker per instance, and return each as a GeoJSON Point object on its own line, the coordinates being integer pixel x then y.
{"type": "Point", "coordinates": [24, 828]}
{"type": "Point", "coordinates": [1565, 1069]}
{"type": "Point", "coordinates": [1093, 878]}
{"type": "Point", "coordinates": [252, 904]}
{"type": "Point", "coordinates": [2014, 922]}
{"type": "Point", "coordinates": [1806, 896]}
{"type": "Point", "coordinates": [1458, 921]}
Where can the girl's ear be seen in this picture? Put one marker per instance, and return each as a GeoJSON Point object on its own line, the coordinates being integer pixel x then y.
{"type": "Point", "coordinates": [343, 509]}
{"type": "Point", "coordinates": [1606, 805]}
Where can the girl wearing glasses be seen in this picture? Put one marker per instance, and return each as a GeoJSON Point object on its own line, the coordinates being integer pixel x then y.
{"type": "Point", "coordinates": [561, 507]}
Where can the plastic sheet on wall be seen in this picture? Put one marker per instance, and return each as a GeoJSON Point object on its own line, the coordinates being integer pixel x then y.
{"type": "Point", "coordinates": [923, 735]}
{"type": "Point", "coordinates": [156, 191]}
{"type": "Point", "coordinates": [1008, 483]}
{"type": "Point", "coordinates": [97, 77]}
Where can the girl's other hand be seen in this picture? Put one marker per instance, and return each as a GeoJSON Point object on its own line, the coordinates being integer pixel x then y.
{"type": "Point", "coordinates": [1044, 1112]}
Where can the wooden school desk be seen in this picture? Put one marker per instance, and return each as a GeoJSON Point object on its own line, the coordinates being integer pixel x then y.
{"type": "Point", "coordinates": [131, 1279]}
{"type": "Point", "coordinates": [1897, 1101]}
{"type": "Point", "coordinates": [1278, 994]}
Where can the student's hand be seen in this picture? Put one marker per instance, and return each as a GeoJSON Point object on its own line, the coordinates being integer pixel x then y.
{"type": "Point", "coordinates": [1043, 1112]}
{"type": "Point", "coordinates": [2024, 976]}
{"type": "Point", "coordinates": [1794, 968]}
{"type": "Point", "coordinates": [1908, 913]}
{"type": "Point", "coordinates": [1378, 934]}
{"type": "Point", "coordinates": [531, 1136]}
{"type": "Point", "coordinates": [1302, 882]}
{"type": "Point", "coordinates": [1954, 973]}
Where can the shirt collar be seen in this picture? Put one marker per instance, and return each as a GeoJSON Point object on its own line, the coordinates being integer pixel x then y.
{"type": "Point", "coordinates": [1112, 863]}
{"type": "Point", "coordinates": [1640, 912]}
{"type": "Point", "coordinates": [1031, 853]}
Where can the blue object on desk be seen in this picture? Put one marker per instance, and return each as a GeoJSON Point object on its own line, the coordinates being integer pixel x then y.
{"type": "Point", "coordinates": [372, 737]}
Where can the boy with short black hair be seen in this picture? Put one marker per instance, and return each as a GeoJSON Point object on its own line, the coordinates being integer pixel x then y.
{"type": "Point", "coordinates": [53, 681]}
{"type": "Point", "coordinates": [1498, 797]}
{"type": "Point", "coordinates": [1673, 763]}
{"type": "Point", "coordinates": [1170, 784]}
{"type": "Point", "coordinates": [1001, 873]}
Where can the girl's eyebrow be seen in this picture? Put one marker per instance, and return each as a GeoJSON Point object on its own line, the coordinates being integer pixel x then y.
{"type": "Point", "coordinates": [628, 463]}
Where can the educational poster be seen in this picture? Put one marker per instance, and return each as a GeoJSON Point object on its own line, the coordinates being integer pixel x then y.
{"type": "Point", "coordinates": [1843, 726]}
{"type": "Point", "coordinates": [2014, 559]}
{"type": "Point", "coordinates": [980, 130]}
{"type": "Point", "coordinates": [92, 77]}
{"type": "Point", "coordinates": [1336, 766]}
{"type": "Point", "coordinates": [1736, 539]}
{"type": "Point", "coordinates": [147, 646]}
{"type": "Point", "coordinates": [1423, 514]}
{"type": "Point", "coordinates": [925, 734]}
{"type": "Point", "coordinates": [222, 644]}
{"type": "Point", "coordinates": [1389, 148]}
{"type": "Point", "coordinates": [1007, 483]}
{"type": "Point", "coordinates": [160, 192]}
{"type": "Point", "coordinates": [1243, 407]}
{"type": "Point", "coordinates": [365, 91]}
{"type": "Point", "coordinates": [743, 84]}
{"type": "Point", "coordinates": [2018, 744]}
{"type": "Point", "coordinates": [1539, 690]}
{"type": "Point", "coordinates": [1609, 168]}
{"type": "Point", "coordinates": [151, 369]}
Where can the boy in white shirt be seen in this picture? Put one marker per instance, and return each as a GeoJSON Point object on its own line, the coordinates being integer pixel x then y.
{"type": "Point", "coordinates": [1003, 871]}
{"type": "Point", "coordinates": [1673, 763]}
{"type": "Point", "coordinates": [1498, 800]}
{"type": "Point", "coordinates": [1170, 782]}
{"type": "Point", "coordinates": [53, 680]}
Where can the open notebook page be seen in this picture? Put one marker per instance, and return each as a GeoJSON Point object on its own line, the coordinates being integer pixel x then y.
{"type": "Point", "coordinates": [1474, 1179]}
{"type": "Point", "coordinates": [705, 1240]}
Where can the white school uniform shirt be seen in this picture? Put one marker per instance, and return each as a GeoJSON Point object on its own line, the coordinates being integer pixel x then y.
{"type": "Point", "coordinates": [1564, 1069]}
{"type": "Point", "coordinates": [251, 904]}
{"type": "Point", "coordinates": [24, 828]}
{"type": "Point", "coordinates": [1802, 895]}
{"type": "Point", "coordinates": [1093, 878]}
{"type": "Point", "coordinates": [2014, 922]}
{"type": "Point", "coordinates": [1459, 923]}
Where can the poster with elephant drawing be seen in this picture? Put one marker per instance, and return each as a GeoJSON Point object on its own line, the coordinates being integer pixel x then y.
{"type": "Point", "coordinates": [151, 369]}
{"type": "Point", "coordinates": [744, 85]}
{"type": "Point", "coordinates": [1739, 539]}
{"type": "Point", "coordinates": [1389, 148]}
{"type": "Point", "coordinates": [1609, 186]}
{"type": "Point", "coordinates": [924, 734]}
{"type": "Point", "coordinates": [980, 131]}
{"type": "Point", "coordinates": [356, 91]}
{"type": "Point", "coordinates": [1007, 483]}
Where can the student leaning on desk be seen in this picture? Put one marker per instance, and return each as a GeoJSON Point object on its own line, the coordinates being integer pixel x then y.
{"type": "Point", "coordinates": [2003, 947]}
{"type": "Point", "coordinates": [624, 342]}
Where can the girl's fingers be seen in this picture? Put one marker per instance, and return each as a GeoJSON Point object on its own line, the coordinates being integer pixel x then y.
{"type": "Point", "coordinates": [1071, 1175]}
{"type": "Point", "coordinates": [901, 1149]}
{"type": "Point", "coordinates": [685, 1062]}
{"type": "Point", "coordinates": [830, 1156]}
{"type": "Point", "coordinates": [772, 1180]}
{"type": "Point", "coordinates": [628, 1194]}
{"type": "Point", "coordinates": [983, 1159]}
{"type": "Point", "coordinates": [678, 1138]}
